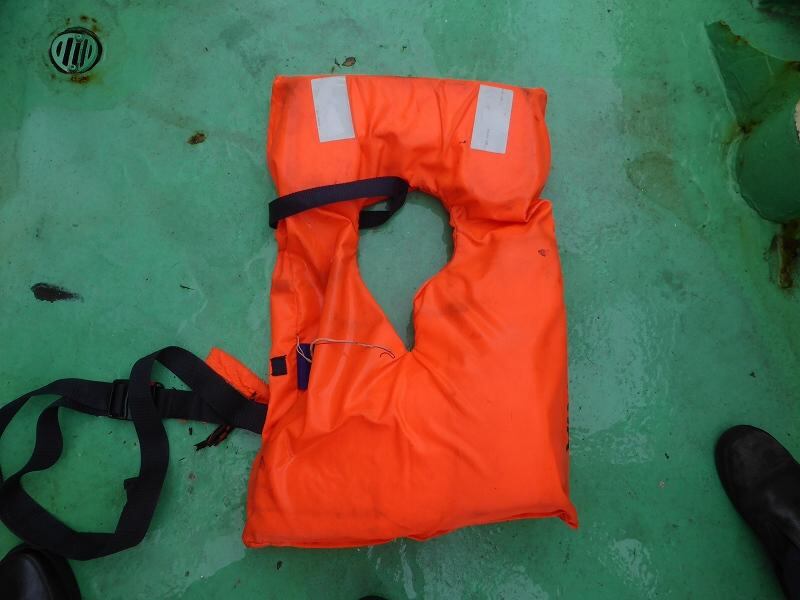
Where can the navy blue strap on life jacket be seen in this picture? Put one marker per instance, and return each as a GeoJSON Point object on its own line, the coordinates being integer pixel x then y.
{"type": "Point", "coordinates": [393, 189]}
{"type": "Point", "coordinates": [209, 398]}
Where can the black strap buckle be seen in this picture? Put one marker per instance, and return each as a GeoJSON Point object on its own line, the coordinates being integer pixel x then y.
{"type": "Point", "coordinates": [118, 400]}
{"type": "Point", "coordinates": [118, 407]}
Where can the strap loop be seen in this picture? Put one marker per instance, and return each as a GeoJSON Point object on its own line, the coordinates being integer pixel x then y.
{"type": "Point", "coordinates": [211, 399]}
{"type": "Point", "coordinates": [394, 189]}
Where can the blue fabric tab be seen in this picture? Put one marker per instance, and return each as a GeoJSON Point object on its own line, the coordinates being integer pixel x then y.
{"type": "Point", "coordinates": [303, 366]}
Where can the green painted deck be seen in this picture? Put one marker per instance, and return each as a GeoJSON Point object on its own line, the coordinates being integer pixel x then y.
{"type": "Point", "coordinates": [677, 326]}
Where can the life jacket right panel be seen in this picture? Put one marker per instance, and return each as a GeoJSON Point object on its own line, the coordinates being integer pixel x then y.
{"type": "Point", "coordinates": [468, 427]}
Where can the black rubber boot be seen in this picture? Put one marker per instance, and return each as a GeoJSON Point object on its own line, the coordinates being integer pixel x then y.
{"type": "Point", "coordinates": [763, 481]}
{"type": "Point", "coordinates": [30, 574]}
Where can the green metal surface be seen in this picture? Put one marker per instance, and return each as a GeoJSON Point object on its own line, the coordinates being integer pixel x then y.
{"type": "Point", "coordinates": [764, 93]}
{"type": "Point", "coordinates": [676, 326]}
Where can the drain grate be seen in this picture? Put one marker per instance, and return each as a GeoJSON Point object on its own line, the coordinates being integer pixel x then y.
{"type": "Point", "coordinates": [75, 50]}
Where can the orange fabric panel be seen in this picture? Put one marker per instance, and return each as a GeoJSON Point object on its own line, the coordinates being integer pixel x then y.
{"type": "Point", "coordinates": [239, 376]}
{"type": "Point", "coordinates": [469, 426]}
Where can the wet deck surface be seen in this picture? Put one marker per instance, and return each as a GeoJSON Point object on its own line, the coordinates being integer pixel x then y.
{"type": "Point", "coordinates": [137, 196]}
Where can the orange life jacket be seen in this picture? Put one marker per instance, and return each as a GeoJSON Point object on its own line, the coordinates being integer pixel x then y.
{"type": "Point", "coordinates": [366, 440]}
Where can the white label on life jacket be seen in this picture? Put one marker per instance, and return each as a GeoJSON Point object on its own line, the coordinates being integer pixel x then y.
{"type": "Point", "coordinates": [332, 107]}
{"type": "Point", "coordinates": [492, 118]}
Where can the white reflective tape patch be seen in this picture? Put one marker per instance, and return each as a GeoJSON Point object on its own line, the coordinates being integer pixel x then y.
{"type": "Point", "coordinates": [492, 119]}
{"type": "Point", "coordinates": [332, 108]}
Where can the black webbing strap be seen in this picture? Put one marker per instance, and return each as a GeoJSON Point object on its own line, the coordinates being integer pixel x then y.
{"type": "Point", "coordinates": [209, 398]}
{"type": "Point", "coordinates": [394, 189]}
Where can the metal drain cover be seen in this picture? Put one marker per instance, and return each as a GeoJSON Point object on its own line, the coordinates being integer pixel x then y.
{"type": "Point", "coordinates": [75, 50]}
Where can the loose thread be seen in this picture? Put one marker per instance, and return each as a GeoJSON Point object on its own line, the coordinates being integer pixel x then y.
{"type": "Point", "coordinates": [384, 349]}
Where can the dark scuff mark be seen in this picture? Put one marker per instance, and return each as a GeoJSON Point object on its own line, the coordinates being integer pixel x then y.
{"type": "Point", "coordinates": [52, 293]}
{"type": "Point", "coordinates": [279, 565]}
{"type": "Point", "coordinates": [787, 243]}
{"type": "Point", "coordinates": [198, 138]}
{"type": "Point", "coordinates": [349, 61]}
{"type": "Point", "coordinates": [747, 128]}
{"type": "Point", "coordinates": [186, 287]}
